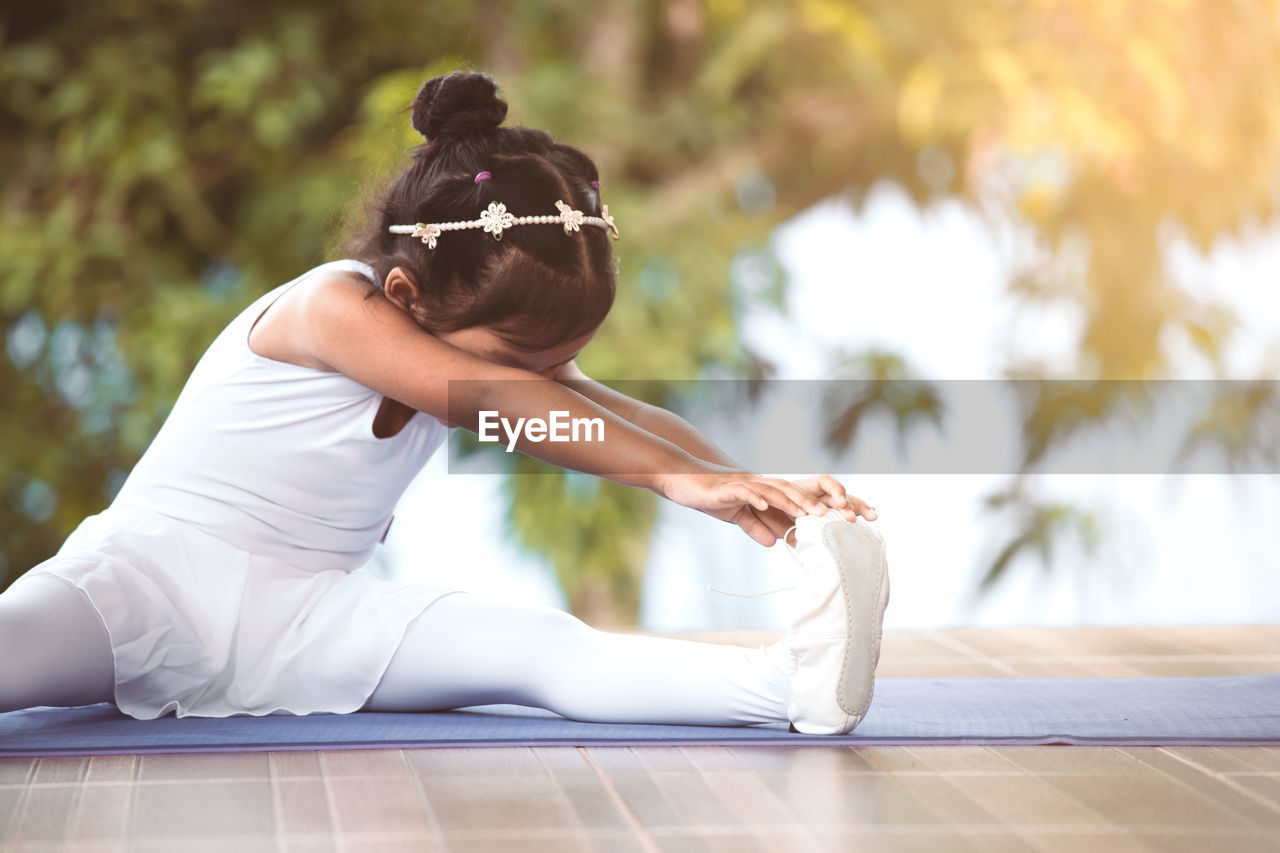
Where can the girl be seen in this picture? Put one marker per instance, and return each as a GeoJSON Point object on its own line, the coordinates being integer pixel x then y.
{"type": "Point", "coordinates": [221, 579]}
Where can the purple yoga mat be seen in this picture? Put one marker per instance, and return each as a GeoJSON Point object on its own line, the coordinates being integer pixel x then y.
{"type": "Point", "coordinates": [1238, 710]}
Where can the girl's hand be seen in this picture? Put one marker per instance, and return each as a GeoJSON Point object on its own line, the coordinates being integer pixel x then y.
{"type": "Point", "coordinates": [826, 489]}
{"type": "Point", "coordinates": [742, 498]}
{"type": "Point", "coordinates": [831, 492]}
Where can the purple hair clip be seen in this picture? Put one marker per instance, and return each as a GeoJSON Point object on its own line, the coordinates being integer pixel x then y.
{"type": "Point", "coordinates": [595, 185]}
{"type": "Point", "coordinates": [482, 176]}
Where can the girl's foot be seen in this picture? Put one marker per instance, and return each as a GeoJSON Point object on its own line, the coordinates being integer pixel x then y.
{"type": "Point", "coordinates": [833, 646]}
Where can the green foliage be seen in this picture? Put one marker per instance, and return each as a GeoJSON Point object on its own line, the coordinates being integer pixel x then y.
{"type": "Point", "coordinates": [1039, 528]}
{"type": "Point", "coordinates": [1055, 410]}
{"type": "Point", "coordinates": [165, 162]}
{"type": "Point", "coordinates": [1241, 422]}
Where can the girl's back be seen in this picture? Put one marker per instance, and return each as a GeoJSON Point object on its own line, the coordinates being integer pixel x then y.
{"type": "Point", "coordinates": [277, 458]}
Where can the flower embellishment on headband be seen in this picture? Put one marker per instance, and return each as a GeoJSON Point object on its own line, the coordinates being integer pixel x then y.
{"type": "Point", "coordinates": [571, 218]}
{"type": "Point", "coordinates": [608, 220]}
{"type": "Point", "coordinates": [428, 233]}
{"type": "Point", "coordinates": [496, 218]}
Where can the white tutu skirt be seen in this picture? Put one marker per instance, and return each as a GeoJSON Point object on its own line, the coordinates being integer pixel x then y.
{"type": "Point", "coordinates": [201, 628]}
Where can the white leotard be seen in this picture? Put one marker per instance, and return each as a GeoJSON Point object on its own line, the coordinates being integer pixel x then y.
{"type": "Point", "coordinates": [280, 459]}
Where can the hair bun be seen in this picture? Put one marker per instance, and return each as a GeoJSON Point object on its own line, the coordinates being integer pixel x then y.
{"type": "Point", "coordinates": [458, 104]}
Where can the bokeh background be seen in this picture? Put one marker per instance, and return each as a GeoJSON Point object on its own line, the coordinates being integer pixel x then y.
{"type": "Point", "coordinates": [808, 189]}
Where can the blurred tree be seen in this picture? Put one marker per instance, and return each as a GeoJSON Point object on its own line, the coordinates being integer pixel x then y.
{"type": "Point", "coordinates": [164, 162]}
{"type": "Point", "coordinates": [1040, 527]}
{"type": "Point", "coordinates": [880, 381]}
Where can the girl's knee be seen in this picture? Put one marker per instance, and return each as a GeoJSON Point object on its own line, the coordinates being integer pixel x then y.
{"type": "Point", "coordinates": [53, 647]}
{"type": "Point", "coordinates": [534, 622]}
{"type": "Point", "coordinates": [562, 625]}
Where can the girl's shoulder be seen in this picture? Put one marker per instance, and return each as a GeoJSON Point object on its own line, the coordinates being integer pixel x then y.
{"type": "Point", "coordinates": [283, 327]}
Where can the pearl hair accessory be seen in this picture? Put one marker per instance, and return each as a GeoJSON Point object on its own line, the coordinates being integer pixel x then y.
{"type": "Point", "coordinates": [496, 219]}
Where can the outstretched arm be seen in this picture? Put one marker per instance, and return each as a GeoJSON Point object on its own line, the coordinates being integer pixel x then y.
{"type": "Point", "coordinates": [683, 434]}
{"type": "Point", "coordinates": [378, 345]}
{"type": "Point", "coordinates": [650, 418]}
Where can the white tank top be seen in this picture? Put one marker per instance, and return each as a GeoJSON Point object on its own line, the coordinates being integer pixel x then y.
{"type": "Point", "coordinates": [280, 459]}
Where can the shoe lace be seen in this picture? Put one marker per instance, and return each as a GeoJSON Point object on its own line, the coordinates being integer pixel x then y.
{"type": "Point", "coordinates": [751, 594]}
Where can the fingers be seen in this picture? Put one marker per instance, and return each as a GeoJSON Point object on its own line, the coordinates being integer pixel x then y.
{"type": "Point", "coordinates": [766, 494]}
{"type": "Point", "coordinates": [761, 494]}
{"type": "Point", "coordinates": [833, 494]}
{"type": "Point", "coordinates": [748, 496]}
{"type": "Point", "coordinates": [862, 508]}
{"type": "Point", "coordinates": [755, 528]}
{"type": "Point", "coordinates": [831, 486]}
{"type": "Point", "coordinates": [777, 521]}
{"type": "Point", "coordinates": [794, 500]}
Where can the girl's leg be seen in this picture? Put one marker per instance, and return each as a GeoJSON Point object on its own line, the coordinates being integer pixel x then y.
{"type": "Point", "coordinates": [53, 647]}
{"type": "Point", "coordinates": [464, 651]}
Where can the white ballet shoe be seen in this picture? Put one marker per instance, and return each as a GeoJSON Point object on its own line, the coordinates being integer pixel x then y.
{"type": "Point", "coordinates": [834, 642]}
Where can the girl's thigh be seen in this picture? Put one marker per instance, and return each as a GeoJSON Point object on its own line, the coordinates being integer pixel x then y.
{"type": "Point", "coordinates": [54, 649]}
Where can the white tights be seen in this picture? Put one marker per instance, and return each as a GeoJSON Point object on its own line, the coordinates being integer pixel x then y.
{"type": "Point", "coordinates": [460, 651]}
{"type": "Point", "coordinates": [53, 647]}
{"type": "Point", "coordinates": [465, 651]}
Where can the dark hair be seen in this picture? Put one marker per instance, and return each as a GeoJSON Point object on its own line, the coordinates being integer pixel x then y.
{"type": "Point", "coordinates": [537, 287]}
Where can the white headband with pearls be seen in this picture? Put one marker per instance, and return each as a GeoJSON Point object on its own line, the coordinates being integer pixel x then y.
{"type": "Point", "coordinates": [497, 219]}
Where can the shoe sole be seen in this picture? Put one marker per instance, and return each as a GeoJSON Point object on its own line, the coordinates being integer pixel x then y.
{"type": "Point", "coordinates": [864, 578]}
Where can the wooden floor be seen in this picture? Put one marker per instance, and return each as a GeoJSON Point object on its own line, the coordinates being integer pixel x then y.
{"type": "Point", "coordinates": [1057, 798]}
